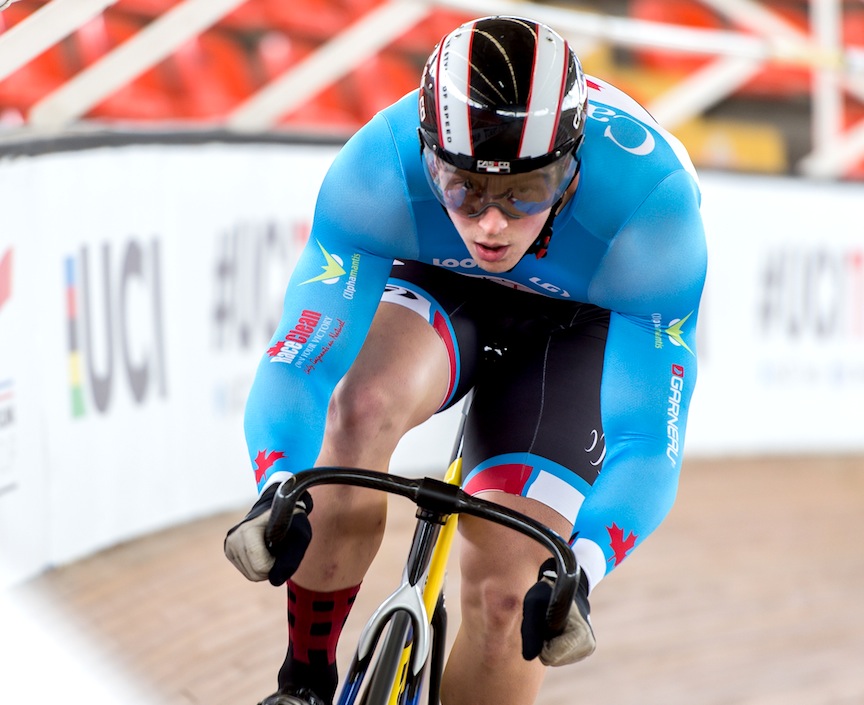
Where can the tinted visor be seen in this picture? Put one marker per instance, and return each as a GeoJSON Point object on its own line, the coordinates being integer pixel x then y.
{"type": "Point", "coordinates": [517, 195]}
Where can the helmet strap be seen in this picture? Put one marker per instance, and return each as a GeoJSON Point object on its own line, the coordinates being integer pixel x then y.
{"type": "Point", "coordinates": [541, 245]}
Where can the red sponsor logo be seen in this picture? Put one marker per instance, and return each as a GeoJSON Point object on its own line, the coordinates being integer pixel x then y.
{"type": "Point", "coordinates": [325, 348]}
{"type": "Point", "coordinates": [287, 348]}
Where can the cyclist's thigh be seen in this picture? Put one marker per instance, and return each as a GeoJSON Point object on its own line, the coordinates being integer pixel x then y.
{"type": "Point", "coordinates": [443, 301]}
{"type": "Point", "coordinates": [402, 364]}
{"type": "Point", "coordinates": [535, 426]}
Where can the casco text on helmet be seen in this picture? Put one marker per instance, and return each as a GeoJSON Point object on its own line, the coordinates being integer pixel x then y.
{"type": "Point", "coordinates": [503, 95]}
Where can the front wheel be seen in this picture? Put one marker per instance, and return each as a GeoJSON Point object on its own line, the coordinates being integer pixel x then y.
{"type": "Point", "coordinates": [385, 677]}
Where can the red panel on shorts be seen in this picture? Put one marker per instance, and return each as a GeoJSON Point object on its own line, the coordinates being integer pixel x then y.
{"type": "Point", "coordinates": [510, 478]}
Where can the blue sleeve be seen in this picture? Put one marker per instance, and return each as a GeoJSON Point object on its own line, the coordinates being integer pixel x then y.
{"type": "Point", "coordinates": [652, 279]}
{"type": "Point", "coordinates": [657, 260]}
{"type": "Point", "coordinates": [655, 270]}
{"type": "Point", "coordinates": [365, 199]}
{"type": "Point", "coordinates": [362, 222]}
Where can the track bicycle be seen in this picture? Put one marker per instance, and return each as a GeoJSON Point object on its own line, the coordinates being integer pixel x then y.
{"type": "Point", "coordinates": [414, 616]}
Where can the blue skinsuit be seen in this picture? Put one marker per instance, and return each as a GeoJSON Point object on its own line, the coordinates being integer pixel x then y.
{"type": "Point", "coordinates": [631, 240]}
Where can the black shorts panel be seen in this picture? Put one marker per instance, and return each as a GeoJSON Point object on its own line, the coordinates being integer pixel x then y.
{"type": "Point", "coordinates": [536, 365]}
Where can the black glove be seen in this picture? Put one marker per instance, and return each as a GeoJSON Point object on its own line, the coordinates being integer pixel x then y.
{"type": "Point", "coordinates": [246, 549]}
{"type": "Point", "coordinates": [575, 642]}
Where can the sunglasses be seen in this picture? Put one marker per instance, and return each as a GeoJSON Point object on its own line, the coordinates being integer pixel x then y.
{"type": "Point", "coordinates": [517, 195]}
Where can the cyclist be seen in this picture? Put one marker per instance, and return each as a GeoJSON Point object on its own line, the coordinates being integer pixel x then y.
{"type": "Point", "coordinates": [432, 268]}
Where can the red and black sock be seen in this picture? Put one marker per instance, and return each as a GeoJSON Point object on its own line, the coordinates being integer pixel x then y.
{"type": "Point", "coordinates": [315, 621]}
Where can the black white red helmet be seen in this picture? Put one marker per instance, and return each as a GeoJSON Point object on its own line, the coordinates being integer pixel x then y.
{"type": "Point", "coordinates": [503, 95]}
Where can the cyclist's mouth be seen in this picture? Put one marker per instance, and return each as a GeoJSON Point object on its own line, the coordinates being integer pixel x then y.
{"type": "Point", "coordinates": [491, 253]}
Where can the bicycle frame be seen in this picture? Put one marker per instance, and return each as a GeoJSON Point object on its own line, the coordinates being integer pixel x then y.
{"type": "Point", "coordinates": [433, 590]}
{"type": "Point", "coordinates": [432, 618]}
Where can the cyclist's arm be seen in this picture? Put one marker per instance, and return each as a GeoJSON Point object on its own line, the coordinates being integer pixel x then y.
{"type": "Point", "coordinates": [362, 221]}
{"type": "Point", "coordinates": [655, 272]}
{"type": "Point", "coordinates": [652, 279]}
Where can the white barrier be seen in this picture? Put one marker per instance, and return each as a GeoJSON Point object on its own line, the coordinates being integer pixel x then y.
{"type": "Point", "coordinates": [145, 281]}
{"type": "Point", "coordinates": [782, 348]}
{"type": "Point", "coordinates": [138, 285]}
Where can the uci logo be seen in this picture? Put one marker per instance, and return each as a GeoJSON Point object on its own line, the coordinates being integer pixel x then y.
{"type": "Point", "coordinates": [115, 324]}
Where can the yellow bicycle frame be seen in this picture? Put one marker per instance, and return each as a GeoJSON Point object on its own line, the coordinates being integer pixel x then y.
{"type": "Point", "coordinates": [435, 580]}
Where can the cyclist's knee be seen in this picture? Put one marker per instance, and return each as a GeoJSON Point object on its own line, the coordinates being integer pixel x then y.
{"type": "Point", "coordinates": [492, 611]}
{"type": "Point", "coordinates": [361, 410]}
{"type": "Point", "coordinates": [348, 512]}
{"type": "Point", "coordinates": [501, 607]}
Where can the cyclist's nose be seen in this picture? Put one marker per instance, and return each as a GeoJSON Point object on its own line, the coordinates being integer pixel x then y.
{"type": "Point", "coordinates": [492, 219]}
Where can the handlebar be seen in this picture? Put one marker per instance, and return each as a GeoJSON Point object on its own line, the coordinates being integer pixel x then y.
{"type": "Point", "coordinates": [439, 498]}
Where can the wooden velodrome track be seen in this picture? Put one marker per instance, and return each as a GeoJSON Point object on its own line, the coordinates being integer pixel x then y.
{"type": "Point", "coordinates": [751, 593]}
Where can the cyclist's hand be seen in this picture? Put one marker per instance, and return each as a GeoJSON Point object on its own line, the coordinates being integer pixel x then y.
{"type": "Point", "coordinates": [575, 643]}
{"type": "Point", "coordinates": [246, 549]}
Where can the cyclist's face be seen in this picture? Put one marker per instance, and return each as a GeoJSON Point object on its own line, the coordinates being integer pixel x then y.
{"type": "Point", "coordinates": [495, 240]}
{"type": "Point", "coordinates": [499, 216]}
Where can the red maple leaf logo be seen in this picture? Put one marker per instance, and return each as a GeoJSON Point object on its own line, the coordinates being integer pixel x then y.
{"type": "Point", "coordinates": [264, 461]}
{"type": "Point", "coordinates": [276, 349]}
{"type": "Point", "coordinates": [619, 544]}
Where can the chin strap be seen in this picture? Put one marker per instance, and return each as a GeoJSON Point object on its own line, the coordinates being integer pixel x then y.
{"type": "Point", "coordinates": [541, 244]}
